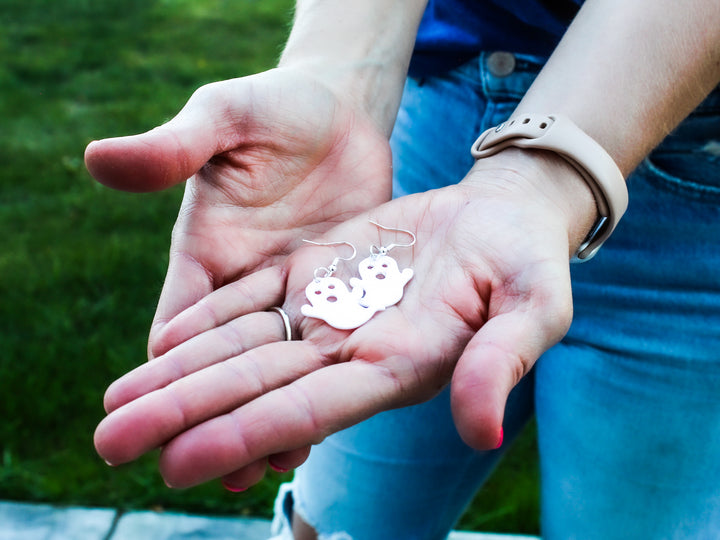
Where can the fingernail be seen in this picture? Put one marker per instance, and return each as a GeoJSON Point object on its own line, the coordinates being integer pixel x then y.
{"type": "Point", "coordinates": [276, 468]}
{"type": "Point", "coordinates": [108, 463]}
{"type": "Point", "coordinates": [232, 488]}
{"type": "Point", "coordinates": [502, 435]}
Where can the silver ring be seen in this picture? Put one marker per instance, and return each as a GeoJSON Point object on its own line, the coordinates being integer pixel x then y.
{"type": "Point", "coordinates": [286, 322]}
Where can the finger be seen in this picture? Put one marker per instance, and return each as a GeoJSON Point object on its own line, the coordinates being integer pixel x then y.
{"type": "Point", "coordinates": [166, 155]}
{"type": "Point", "coordinates": [227, 341]}
{"type": "Point", "coordinates": [494, 361]}
{"type": "Point", "coordinates": [304, 412]}
{"type": "Point", "coordinates": [249, 475]}
{"type": "Point", "coordinates": [186, 282]}
{"type": "Point", "coordinates": [256, 292]}
{"type": "Point", "coordinates": [152, 419]}
{"type": "Point", "coordinates": [287, 461]}
{"type": "Point", "coordinates": [243, 478]}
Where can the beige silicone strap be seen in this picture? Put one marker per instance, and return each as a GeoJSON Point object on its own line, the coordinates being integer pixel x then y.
{"type": "Point", "coordinates": [559, 134]}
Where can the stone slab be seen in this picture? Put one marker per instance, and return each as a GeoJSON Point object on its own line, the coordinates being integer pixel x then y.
{"type": "Point", "coordinates": [25, 521]}
{"type": "Point", "coordinates": [172, 526]}
{"type": "Point", "coordinates": [28, 521]}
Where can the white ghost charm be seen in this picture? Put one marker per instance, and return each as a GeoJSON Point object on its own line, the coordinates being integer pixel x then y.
{"type": "Point", "coordinates": [381, 280]}
{"type": "Point", "coordinates": [336, 305]}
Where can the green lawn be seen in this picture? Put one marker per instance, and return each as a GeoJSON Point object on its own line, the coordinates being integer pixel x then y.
{"type": "Point", "coordinates": [82, 266]}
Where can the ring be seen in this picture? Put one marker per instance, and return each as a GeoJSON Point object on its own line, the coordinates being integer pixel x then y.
{"type": "Point", "coordinates": [286, 322]}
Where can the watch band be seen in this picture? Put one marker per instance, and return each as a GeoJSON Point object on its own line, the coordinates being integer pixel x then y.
{"type": "Point", "coordinates": [559, 134]}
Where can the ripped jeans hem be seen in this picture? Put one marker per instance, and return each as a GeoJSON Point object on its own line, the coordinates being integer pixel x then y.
{"type": "Point", "coordinates": [281, 528]}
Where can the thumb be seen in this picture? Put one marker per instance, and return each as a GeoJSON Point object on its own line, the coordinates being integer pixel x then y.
{"type": "Point", "coordinates": [494, 361]}
{"type": "Point", "coordinates": [164, 156]}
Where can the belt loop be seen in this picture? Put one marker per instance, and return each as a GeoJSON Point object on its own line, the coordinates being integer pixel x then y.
{"type": "Point", "coordinates": [481, 63]}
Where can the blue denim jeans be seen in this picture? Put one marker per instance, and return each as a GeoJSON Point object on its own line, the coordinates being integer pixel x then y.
{"type": "Point", "coordinates": [627, 405]}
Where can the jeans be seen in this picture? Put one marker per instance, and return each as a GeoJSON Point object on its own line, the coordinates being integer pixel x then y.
{"type": "Point", "coordinates": [627, 405]}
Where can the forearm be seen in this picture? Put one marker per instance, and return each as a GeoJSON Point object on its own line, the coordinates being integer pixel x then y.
{"type": "Point", "coordinates": [628, 72]}
{"type": "Point", "coordinates": [361, 50]}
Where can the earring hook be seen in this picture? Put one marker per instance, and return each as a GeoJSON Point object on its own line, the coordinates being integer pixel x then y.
{"type": "Point", "coordinates": [350, 258]}
{"type": "Point", "coordinates": [385, 249]}
{"type": "Point", "coordinates": [330, 270]}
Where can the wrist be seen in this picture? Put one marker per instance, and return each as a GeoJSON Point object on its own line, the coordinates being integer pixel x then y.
{"type": "Point", "coordinates": [545, 179]}
{"type": "Point", "coordinates": [365, 87]}
{"type": "Point", "coordinates": [361, 51]}
{"type": "Point", "coordinates": [559, 135]}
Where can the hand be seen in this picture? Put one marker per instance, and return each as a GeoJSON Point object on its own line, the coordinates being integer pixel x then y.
{"type": "Point", "coordinates": [490, 293]}
{"type": "Point", "coordinates": [272, 158]}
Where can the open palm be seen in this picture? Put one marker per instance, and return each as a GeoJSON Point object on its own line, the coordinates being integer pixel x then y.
{"type": "Point", "coordinates": [271, 158]}
{"type": "Point", "coordinates": [490, 293]}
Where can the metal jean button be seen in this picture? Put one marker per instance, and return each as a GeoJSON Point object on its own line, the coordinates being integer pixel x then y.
{"type": "Point", "coordinates": [501, 64]}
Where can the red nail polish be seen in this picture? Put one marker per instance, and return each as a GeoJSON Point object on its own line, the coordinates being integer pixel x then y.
{"type": "Point", "coordinates": [502, 435]}
{"type": "Point", "coordinates": [234, 489]}
{"type": "Point", "coordinates": [276, 468]}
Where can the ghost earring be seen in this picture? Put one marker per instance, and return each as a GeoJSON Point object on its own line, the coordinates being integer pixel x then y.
{"type": "Point", "coordinates": [330, 300]}
{"type": "Point", "coordinates": [380, 278]}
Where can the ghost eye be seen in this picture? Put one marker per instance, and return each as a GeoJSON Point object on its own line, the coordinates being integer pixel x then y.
{"type": "Point", "coordinates": [384, 265]}
{"type": "Point", "coordinates": [331, 286]}
{"type": "Point", "coordinates": [370, 267]}
{"type": "Point", "coordinates": [318, 292]}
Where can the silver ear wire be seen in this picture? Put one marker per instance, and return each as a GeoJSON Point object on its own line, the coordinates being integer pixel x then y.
{"type": "Point", "coordinates": [330, 270]}
{"type": "Point", "coordinates": [375, 250]}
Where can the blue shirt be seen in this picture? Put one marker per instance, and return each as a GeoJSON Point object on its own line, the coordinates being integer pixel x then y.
{"type": "Point", "coordinates": [453, 31]}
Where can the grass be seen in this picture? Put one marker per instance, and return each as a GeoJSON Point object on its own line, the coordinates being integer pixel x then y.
{"type": "Point", "coordinates": [82, 265]}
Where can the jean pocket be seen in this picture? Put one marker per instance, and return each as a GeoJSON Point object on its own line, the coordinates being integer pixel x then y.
{"type": "Point", "coordinates": [691, 171]}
